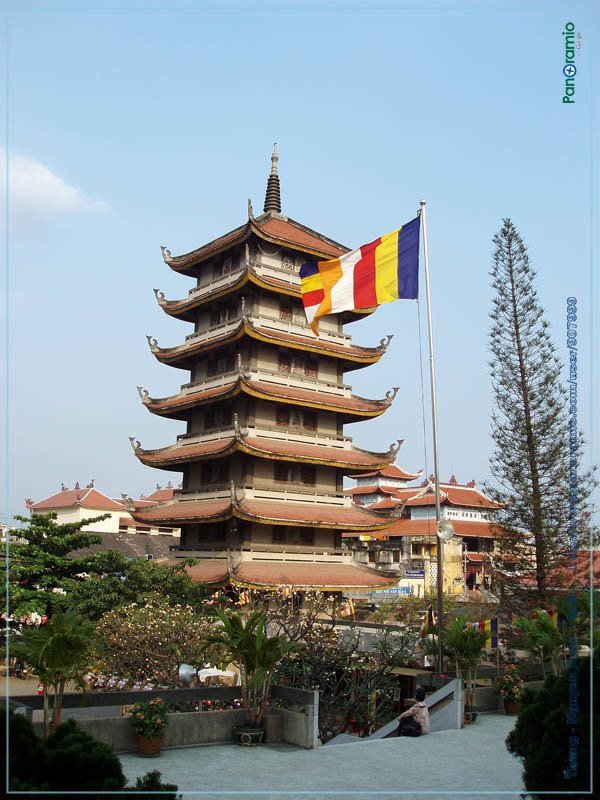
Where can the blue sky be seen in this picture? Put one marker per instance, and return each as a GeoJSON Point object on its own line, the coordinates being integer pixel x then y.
{"type": "Point", "coordinates": [134, 125]}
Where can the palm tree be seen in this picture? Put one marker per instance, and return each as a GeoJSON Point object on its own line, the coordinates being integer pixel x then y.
{"type": "Point", "coordinates": [247, 646]}
{"type": "Point", "coordinates": [464, 646]}
{"type": "Point", "coordinates": [57, 653]}
{"type": "Point", "coordinates": [542, 638]}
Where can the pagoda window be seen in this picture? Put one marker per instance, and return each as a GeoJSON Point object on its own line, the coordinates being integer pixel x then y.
{"type": "Point", "coordinates": [285, 311]}
{"type": "Point", "coordinates": [224, 312]}
{"type": "Point", "coordinates": [219, 417]}
{"type": "Point", "coordinates": [287, 534]}
{"type": "Point", "coordinates": [304, 474]}
{"type": "Point", "coordinates": [215, 473]}
{"type": "Point", "coordinates": [222, 268]}
{"type": "Point", "coordinates": [219, 365]}
{"type": "Point", "coordinates": [284, 362]}
{"type": "Point", "coordinates": [282, 416]}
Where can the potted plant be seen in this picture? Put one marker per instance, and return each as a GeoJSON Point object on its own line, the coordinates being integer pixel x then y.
{"type": "Point", "coordinates": [246, 645]}
{"type": "Point", "coordinates": [510, 688]}
{"type": "Point", "coordinates": [464, 645]}
{"type": "Point", "coordinates": [149, 720]}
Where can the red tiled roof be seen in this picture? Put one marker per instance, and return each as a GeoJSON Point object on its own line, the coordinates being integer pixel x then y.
{"type": "Point", "coordinates": [383, 505]}
{"type": "Point", "coordinates": [279, 449]}
{"type": "Point", "coordinates": [288, 230]}
{"type": "Point", "coordinates": [310, 514]}
{"type": "Point", "coordinates": [389, 490]}
{"type": "Point", "coordinates": [391, 471]}
{"type": "Point", "coordinates": [181, 353]}
{"type": "Point", "coordinates": [86, 498]}
{"type": "Point", "coordinates": [178, 510]}
{"type": "Point", "coordinates": [161, 495]}
{"type": "Point", "coordinates": [353, 405]}
{"type": "Point", "coordinates": [577, 575]}
{"type": "Point", "coordinates": [476, 557]}
{"type": "Point", "coordinates": [318, 576]}
{"type": "Point", "coordinates": [426, 527]}
{"type": "Point", "coordinates": [455, 495]}
{"type": "Point", "coordinates": [213, 570]}
{"type": "Point", "coordinates": [266, 226]}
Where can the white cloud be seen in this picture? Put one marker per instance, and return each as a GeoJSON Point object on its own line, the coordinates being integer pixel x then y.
{"type": "Point", "coordinates": [36, 192]}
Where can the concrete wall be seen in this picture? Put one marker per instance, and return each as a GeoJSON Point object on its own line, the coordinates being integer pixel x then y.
{"type": "Point", "coordinates": [193, 728]}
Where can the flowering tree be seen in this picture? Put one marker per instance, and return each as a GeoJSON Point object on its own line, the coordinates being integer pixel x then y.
{"type": "Point", "coordinates": [148, 641]}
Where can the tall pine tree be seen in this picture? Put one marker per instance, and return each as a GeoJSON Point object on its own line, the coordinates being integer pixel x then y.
{"type": "Point", "coordinates": [530, 428]}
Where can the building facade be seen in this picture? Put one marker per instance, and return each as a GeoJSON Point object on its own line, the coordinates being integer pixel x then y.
{"type": "Point", "coordinates": [409, 545]}
{"type": "Point", "coordinates": [264, 454]}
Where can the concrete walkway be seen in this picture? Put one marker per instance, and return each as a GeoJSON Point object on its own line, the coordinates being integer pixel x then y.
{"type": "Point", "coordinates": [450, 765]}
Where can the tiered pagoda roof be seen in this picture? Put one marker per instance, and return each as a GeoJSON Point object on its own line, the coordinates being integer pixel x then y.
{"type": "Point", "coordinates": [348, 405]}
{"type": "Point", "coordinates": [264, 389]}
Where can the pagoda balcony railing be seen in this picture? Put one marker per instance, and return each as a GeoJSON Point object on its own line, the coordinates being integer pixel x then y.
{"type": "Point", "coordinates": [250, 491]}
{"type": "Point", "coordinates": [270, 266]}
{"type": "Point", "coordinates": [300, 381]}
{"type": "Point", "coordinates": [216, 283]}
{"type": "Point", "coordinates": [210, 383]}
{"type": "Point", "coordinates": [212, 330]}
{"type": "Point", "coordinates": [275, 377]}
{"type": "Point", "coordinates": [276, 323]}
{"type": "Point", "coordinates": [279, 433]}
{"type": "Point", "coordinates": [265, 552]}
{"type": "Point", "coordinates": [297, 494]}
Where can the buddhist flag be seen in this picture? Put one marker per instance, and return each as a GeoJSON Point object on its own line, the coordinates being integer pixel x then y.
{"type": "Point", "coordinates": [380, 272]}
{"type": "Point", "coordinates": [489, 626]}
{"type": "Point", "coordinates": [347, 610]}
{"type": "Point", "coordinates": [428, 623]}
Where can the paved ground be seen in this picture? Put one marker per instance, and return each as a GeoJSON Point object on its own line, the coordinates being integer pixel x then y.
{"type": "Point", "coordinates": [450, 765]}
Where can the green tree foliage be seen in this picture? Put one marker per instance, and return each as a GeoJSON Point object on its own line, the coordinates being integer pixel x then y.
{"type": "Point", "coordinates": [542, 638]}
{"type": "Point", "coordinates": [244, 642]}
{"type": "Point", "coordinates": [44, 572]}
{"type": "Point", "coordinates": [135, 580]}
{"type": "Point", "coordinates": [148, 641]}
{"type": "Point", "coordinates": [530, 462]}
{"type": "Point", "coordinates": [69, 761]}
{"type": "Point", "coordinates": [464, 646]}
{"type": "Point", "coordinates": [352, 685]}
{"type": "Point", "coordinates": [552, 733]}
{"type": "Point", "coordinates": [58, 652]}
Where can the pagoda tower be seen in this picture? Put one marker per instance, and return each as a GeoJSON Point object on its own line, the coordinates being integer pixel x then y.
{"type": "Point", "coordinates": [264, 454]}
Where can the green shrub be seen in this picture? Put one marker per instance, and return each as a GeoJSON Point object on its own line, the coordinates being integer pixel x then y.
{"type": "Point", "coordinates": [546, 728]}
{"type": "Point", "coordinates": [70, 760]}
{"type": "Point", "coordinates": [75, 761]}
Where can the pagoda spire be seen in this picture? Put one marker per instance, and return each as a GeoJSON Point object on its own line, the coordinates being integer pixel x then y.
{"type": "Point", "coordinates": [273, 194]}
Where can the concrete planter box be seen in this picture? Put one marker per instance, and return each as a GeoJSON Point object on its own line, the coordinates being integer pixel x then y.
{"type": "Point", "coordinates": [196, 727]}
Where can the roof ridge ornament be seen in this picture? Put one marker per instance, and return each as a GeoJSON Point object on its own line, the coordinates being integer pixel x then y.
{"type": "Point", "coordinates": [250, 209]}
{"type": "Point", "coordinates": [390, 395]}
{"type": "Point", "coordinates": [385, 343]}
{"type": "Point", "coordinates": [160, 296]}
{"type": "Point", "coordinates": [166, 253]}
{"type": "Point", "coordinates": [144, 394]}
{"type": "Point", "coordinates": [135, 444]}
{"type": "Point", "coordinates": [273, 193]}
{"type": "Point", "coordinates": [152, 343]}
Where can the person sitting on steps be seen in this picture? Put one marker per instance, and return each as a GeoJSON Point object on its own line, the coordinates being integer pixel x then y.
{"type": "Point", "coordinates": [419, 712]}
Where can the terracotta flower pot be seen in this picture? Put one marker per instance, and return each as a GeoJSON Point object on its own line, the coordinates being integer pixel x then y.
{"type": "Point", "coordinates": [511, 707]}
{"type": "Point", "coordinates": [149, 746]}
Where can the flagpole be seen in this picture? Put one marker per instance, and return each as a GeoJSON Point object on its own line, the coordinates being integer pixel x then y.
{"type": "Point", "coordinates": [436, 471]}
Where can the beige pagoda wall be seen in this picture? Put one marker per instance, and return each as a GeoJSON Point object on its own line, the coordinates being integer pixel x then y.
{"type": "Point", "coordinates": [264, 478]}
{"type": "Point", "coordinates": [267, 358]}
{"type": "Point", "coordinates": [262, 534]}
{"type": "Point", "coordinates": [76, 514]}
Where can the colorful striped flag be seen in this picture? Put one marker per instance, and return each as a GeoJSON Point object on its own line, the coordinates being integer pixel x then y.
{"type": "Point", "coordinates": [347, 610]}
{"type": "Point", "coordinates": [380, 272]}
{"type": "Point", "coordinates": [428, 623]}
{"type": "Point", "coordinates": [489, 626]}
